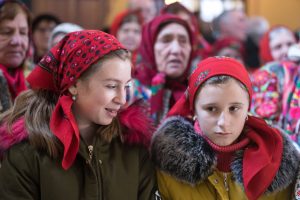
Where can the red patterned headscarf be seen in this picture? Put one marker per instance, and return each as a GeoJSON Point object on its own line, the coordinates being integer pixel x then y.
{"type": "Point", "coordinates": [60, 69]}
{"type": "Point", "coordinates": [264, 45]}
{"type": "Point", "coordinates": [262, 158]}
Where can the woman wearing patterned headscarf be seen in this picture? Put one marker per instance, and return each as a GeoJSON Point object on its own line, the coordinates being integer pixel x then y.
{"type": "Point", "coordinates": [68, 137]}
{"type": "Point", "coordinates": [209, 148]}
{"type": "Point", "coordinates": [165, 61]}
{"type": "Point", "coordinates": [274, 83]}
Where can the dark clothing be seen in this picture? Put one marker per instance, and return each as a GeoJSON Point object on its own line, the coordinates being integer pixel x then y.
{"type": "Point", "coordinates": [111, 171]}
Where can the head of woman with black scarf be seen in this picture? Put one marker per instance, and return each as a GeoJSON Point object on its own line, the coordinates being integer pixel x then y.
{"type": "Point", "coordinates": [71, 126]}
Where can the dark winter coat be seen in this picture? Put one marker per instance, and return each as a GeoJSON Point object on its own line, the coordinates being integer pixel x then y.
{"type": "Point", "coordinates": [109, 171]}
{"type": "Point", "coordinates": [116, 171]}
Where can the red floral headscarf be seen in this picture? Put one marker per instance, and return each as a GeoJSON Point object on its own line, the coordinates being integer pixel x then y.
{"type": "Point", "coordinates": [264, 45]}
{"type": "Point", "coordinates": [60, 69]}
{"type": "Point", "coordinates": [262, 157]}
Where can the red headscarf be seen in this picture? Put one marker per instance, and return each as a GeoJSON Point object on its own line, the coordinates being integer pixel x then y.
{"type": "Point", "coordinates": [60, 69]}
{"type": "Point", "coordinates": [262, 157]}
{"type": "Point", "coordinates": [264, 45]}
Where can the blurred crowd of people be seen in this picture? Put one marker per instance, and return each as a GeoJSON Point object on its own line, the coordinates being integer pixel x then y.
{"type": "Point", "coordinates": [172, 73]}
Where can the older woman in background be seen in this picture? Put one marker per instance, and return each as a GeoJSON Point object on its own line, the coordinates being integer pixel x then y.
{"type": "Point", "coordinates": [165, 61]}
{"type": "Point", "coordinates": [14, 44]}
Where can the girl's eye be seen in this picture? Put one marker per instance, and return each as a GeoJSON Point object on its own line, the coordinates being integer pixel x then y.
{"type": "Point", "coordinates": [233, 109]}
{"type": "Point", "coordinates": [211, 109]}
{"type": "Point", "coordinates": [111, 86]}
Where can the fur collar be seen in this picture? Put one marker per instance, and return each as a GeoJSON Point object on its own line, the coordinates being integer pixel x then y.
{"type": "Point", "coordinates": [179, 151]}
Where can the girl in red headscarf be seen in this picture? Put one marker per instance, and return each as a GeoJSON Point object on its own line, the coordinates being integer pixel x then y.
{"type": "Point", "coordinates": [209, 148]}
{"type": "Point", "coordinates": [165, 61]}
{"type": "Point", "coordinates": [69, 136]}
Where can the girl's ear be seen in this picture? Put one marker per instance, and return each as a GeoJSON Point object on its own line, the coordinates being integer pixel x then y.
{"type": "Point", "coordinates": [73, 89]}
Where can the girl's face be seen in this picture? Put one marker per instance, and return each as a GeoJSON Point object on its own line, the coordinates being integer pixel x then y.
{"type": "Point", "coordinates": [280, 43]}
{"type": "Point", "coordinates": [129, 34]}
{"type": "Point", "coordinates": [221, 111]}
{"type": "Point", "coordinates": [101, 96]}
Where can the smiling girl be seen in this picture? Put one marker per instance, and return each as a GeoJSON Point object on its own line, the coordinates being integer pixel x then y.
{"type": "Point", "coordinates": [69, 136]}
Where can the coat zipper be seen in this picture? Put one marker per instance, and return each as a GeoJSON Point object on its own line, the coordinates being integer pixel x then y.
{"type": "Point", "coordinates": [89, 160]}
{"type": "Point", "coordinates": [226, 182]}
{"type": "Point", "coordinates": [98, 166]}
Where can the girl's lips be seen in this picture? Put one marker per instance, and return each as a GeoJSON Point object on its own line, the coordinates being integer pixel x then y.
{"type": "Point", "coordinates": [112, 112]}
{"type": "Point", "coordinates": [222, 133]}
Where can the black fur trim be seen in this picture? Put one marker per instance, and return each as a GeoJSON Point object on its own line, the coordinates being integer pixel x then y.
{"type": "Point", "coordinates": [177, 150]}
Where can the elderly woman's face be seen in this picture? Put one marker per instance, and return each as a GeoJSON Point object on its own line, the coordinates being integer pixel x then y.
{"type": "Point", "coordinates": [172, 50]}
{"type": "Point", "coordinates": [280, 42]}
{"type": "Point", "coordinates": [14, 40]}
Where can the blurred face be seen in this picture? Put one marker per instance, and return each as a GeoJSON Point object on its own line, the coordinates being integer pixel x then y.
{"type": "Point", "coordinates": [280, 44]}
{"type": "Point", "coordinates": [172, 50]}
{"type": "Point", "coordinates": [187, 18]}
{"type": "Point", "coordinates": [235, 25]}
{"type": "Point", "coordinates": [57, 38]}
{"type": "Point", "coordinates": [129, 34]}
{"type": "Point", "coordinates": [100, 96]}
{"type": "Point", "coordinates": [13, 41]}
{"type": "Point", "coordinates": [232, 53]}
{"type": "Point", "coordinates": [41, 36]}
{"type": "Point", "coordinates": [221, 111]}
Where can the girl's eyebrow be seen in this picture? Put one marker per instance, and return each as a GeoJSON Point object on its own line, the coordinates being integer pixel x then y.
{"type": "Point", "coordinates": [116, 80]}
